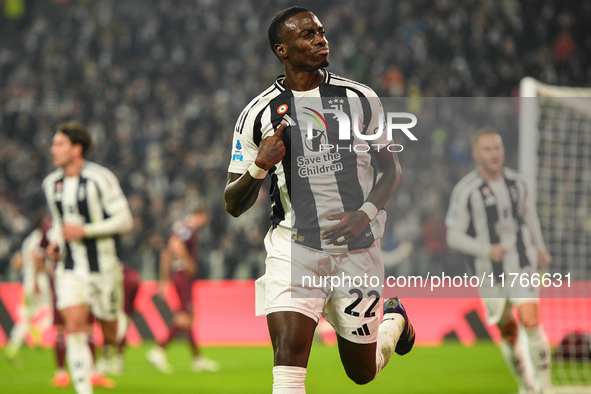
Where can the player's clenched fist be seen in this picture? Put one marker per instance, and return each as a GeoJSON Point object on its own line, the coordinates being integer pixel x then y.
{"type": "Point", "coordinates": [272, 149]}
{"type": "Point", "coordinates": [497, 253]}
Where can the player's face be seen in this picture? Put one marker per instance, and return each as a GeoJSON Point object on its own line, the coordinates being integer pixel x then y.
{"type": "Point", "coordinates": [304, 43]}
{"type": "Point", "coordinates": [63, 151]}
{"type": "Point", "coordinates": [197, 220]}
{"type": "Point", "coordinates": [489, 153]}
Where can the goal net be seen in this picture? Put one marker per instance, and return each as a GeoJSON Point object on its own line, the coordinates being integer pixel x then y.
{"type": "Point", "coordinates": [555, 158]}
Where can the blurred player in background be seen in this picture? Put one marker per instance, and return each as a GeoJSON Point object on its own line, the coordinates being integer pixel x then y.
{"type": "Point", "coordinates": [491, 218]}
{"type": "Point", "coordinates": [89, 210]}
{"type": "Point", "coordinates": [131, 282]}
{"type": "Point", "coordinates": [30, 261]}
{"type": "Point", "coordinates": [264, 143]}
{"type": "Point", "coordinates": [179, 263]}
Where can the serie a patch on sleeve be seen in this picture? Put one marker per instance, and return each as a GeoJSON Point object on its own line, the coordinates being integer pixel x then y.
{"type": "Point", "coordinates": [237, 155]}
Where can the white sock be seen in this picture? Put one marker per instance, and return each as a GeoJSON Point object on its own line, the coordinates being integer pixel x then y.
{"type": "Point", "coordinates": [515, 360]}
{"type": "Point", "coordinates": [122, 326]}
{"type": "Point", "coordinates": [17, 334]}
{"type": "Point", "coordinates": [388, 333]}
{"type": "Point", "coordinates": [539, 351]}
{"type": "Point", "coordinates": [79, 361]}
{"type": "Point", "coordinates": [289, 380]}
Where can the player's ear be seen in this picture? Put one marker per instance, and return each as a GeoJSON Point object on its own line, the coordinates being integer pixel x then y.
{"type": "Point", "coordinates": [281, 50]}
{"type": "Point", "coordinates": [79, 149]}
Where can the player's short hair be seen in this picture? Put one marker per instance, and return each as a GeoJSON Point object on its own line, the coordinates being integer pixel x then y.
{"type": "Point", "coordinates": [484, 131]}
{"type": "Point", "coordinates": [78, 134]}
{"type": "Point", "coordinates": [275, 29]}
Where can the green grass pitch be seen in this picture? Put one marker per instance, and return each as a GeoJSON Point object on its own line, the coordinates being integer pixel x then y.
{"type": "Point", "coordinates": [449, 368]}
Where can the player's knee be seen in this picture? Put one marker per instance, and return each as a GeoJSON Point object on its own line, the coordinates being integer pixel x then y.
{"type": "Point", "coordinates": [360, 376]}
{"type": "Point", "coordinates": [289, 351]}
{"type": "Point", "coordinates": [530, 322]}
{"type": "Point", "coordinates": [509, 331]}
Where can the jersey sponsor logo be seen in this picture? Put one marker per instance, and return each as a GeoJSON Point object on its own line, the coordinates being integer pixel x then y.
{"type": "Point", "coordinates": [59, 188]}
{"type": "Point", "coordinates": [282, 109]}
{"type": "Point", "coordinates": [327, 163]}
{"type": "Point", "coordinates": [316, 137]}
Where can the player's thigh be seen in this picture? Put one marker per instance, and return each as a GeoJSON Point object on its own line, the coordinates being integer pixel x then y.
{"type": "Point", "coordinates": [73, 295]}
{"type": "Point", "coordinates": [109, 329]}
{"type": "Point", "coordinates": [354, 308]}
{"type": "Point", "coordinates": [528, 313]}
{"type": "Point", "coordinates": [76, 318]}
{"type": "Point", "coordinates": [275, 291]}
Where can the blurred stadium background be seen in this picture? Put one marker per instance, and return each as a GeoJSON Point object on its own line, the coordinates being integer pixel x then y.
{"type": "Point", "coordinates": [160, 85]}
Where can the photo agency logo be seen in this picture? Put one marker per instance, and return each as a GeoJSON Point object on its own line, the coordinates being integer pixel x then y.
{"type": "Point", "coordinates": [317, 131]}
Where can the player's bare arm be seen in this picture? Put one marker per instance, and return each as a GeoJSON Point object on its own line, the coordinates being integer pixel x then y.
{"type": "Point", "coordinates": [72, 232]}
{"type": "Point", "coordinates": [52, 251]}
{"type": "Point", "coordinates": [351, 224]}
{"type": "Point", "coordinates": [242, 190]}
{"type": "Point", "coordinates": [178, 248]}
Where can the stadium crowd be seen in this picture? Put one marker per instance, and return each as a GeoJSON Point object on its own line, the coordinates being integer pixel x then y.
{"type": "Point", "coordinates": [160, 84]}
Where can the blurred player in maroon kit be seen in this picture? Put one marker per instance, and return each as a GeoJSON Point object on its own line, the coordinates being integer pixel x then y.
{"type": "Point", "coordinates": [131, 283]}
{"type": "Point", "coordinates": [179, 257]}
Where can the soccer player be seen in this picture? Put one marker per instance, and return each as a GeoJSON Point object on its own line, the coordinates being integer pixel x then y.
{"type": "Point", "coordinates": [491, 218]}
{"type": "Point", "coordinates": [341, 203]}
{"type": "Point", "coordinates": [180, 257]}
{"type": "Point", "coordinates": [37, 294]}
{"type": "Point", "coordinates": [89, 210]}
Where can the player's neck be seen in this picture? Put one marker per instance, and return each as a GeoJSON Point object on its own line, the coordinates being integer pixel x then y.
{"type": "Point", "coordinates": [300, 80]}
{"type": "Point", "coordinates": [490, 176]}
{"type": "Point", "coordinates": [74, 168]}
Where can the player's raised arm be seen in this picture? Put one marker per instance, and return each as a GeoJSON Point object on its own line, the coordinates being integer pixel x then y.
{"type": "Point", "coordinates": [242, 189]}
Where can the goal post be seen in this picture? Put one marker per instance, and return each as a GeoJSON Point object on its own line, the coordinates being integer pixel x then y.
{"type": "Point", "coordinates": [555, 159]}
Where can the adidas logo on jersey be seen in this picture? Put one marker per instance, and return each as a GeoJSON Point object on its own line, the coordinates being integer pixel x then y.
{"type": "Point", "coordinates": [361, 331]}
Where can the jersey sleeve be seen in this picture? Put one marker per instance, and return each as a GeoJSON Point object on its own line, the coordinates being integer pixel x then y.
{"type": "Point", "coordinates": [457, 222]}
{"type": "Point", "coordinates": [54, 232]}
{"type": "Point", "coordinates": [115, 206]}
{"type": "Point", "coordinates": [376, 123]}
{"type": "Point", "coordinates": [244, 150]}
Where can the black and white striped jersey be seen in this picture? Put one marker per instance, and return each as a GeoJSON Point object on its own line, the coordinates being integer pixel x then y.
{"type": "Point", "coordinates": [93, 199]}
{"type": "Point", "coordinates": [482, 214]}
{"type": "Point", "coordinates": [321, 174]}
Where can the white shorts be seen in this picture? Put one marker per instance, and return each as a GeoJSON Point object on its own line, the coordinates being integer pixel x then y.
{"type": "Point", "coordinates": [103, 291]}
{"type": "Point", "coordinates": [353, 311]}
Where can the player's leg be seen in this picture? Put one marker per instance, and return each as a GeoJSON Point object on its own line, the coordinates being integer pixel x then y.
{"type": "Point", "coordinates": [180, 323]}
{"type": "Point", "coordinates": [107, 305]}
{"type": "Point", "coordinates": [73, 299]}
{"type": "Point", "coordinates": [538, 346]}
{"type": "Point", "coordinates": [61, 377]}
{"type": "Point", "coordinates": [363, 353]}
{"type": "Point", "coordinates": [131, 284]}
{"type": "Point", "coordinates": [78, 353]}
{"type": "Point", "coordinates": [291, 336]}
{"type": "Point", "coordinates": [511, 346]}
{"type": "Point", "coordinates": [19, 330]}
